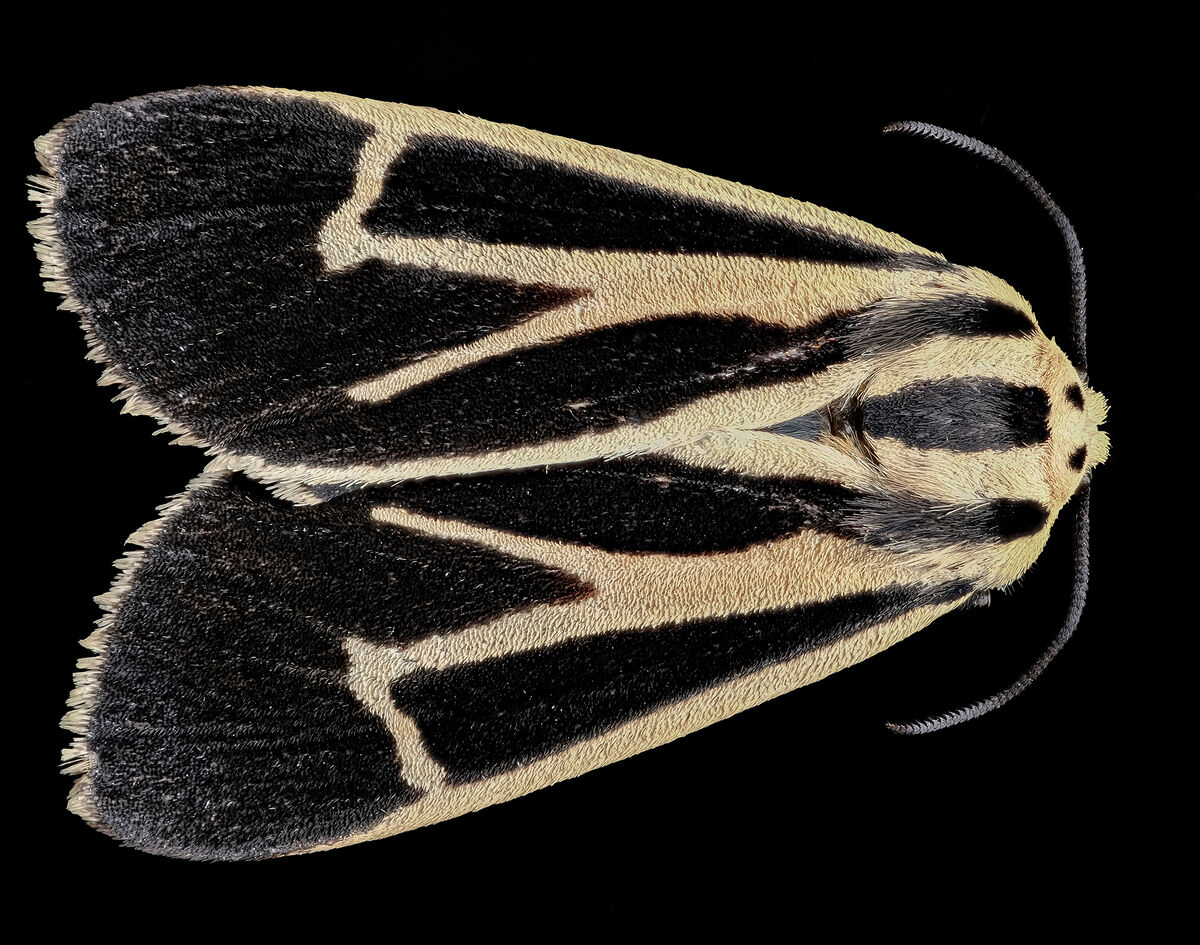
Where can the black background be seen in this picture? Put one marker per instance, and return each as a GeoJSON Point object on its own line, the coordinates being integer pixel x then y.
{"type": "Point", "coordinates": [1074, 786]}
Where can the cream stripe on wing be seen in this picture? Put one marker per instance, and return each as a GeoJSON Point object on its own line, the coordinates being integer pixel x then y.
{"type": "Point", "coordinates": [630, 287]}
{"type": "Point", "coordinates": [632, 593]}
{"type": "Point", "coordinates": [743, 409]}
{"type": "Point", "coordinates": [637, 592]}
{"type": "Point", "coordinates": [622, 286]}
{"type": "Point", "coordinates": [655, 728]}
{"type": "Point", "coordinates": [394, 123]}
{"type": "Point", "coordinates": [372, 671]}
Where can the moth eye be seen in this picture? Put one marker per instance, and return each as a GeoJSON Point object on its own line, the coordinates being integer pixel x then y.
{"type": "Point", "coordinates": [1078, 458]}
{"type": "Point", "coordinates": [1075, 396]}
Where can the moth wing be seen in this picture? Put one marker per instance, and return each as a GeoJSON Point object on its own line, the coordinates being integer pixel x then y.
{"type": "Point", "coordinates": [273, 678]}
{"type": "Point", "coordinates": [322, 289]}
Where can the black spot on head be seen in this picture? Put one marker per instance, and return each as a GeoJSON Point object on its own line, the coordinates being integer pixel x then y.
{"type": "Point", "coordinates": [1075, 396]}
{"type": "Point", "coordinates": [1078, 458]}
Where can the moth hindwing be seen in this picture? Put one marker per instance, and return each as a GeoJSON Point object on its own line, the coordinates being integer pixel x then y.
{"type": "Point", "coordinates": [529, 455]}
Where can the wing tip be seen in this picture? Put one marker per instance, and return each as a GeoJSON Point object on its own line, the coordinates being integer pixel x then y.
{"type": "Point", "coordinates": [78, 760]}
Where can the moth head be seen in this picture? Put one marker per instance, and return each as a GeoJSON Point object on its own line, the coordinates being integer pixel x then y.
{"type": "Point", "coordinates": [965, 396]}
{"type": "Point", "coordinates": [1073, 443]}
{"type": "Point", "coordinates": [960, 403]}
{"type": "Point", "coordinates": [1075, 411]}
{"type": "Point", "coordinates": [1077, 415]}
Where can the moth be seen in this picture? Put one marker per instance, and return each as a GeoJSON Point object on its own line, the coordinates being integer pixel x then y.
{"type": "Point", "coordinates": [527, 456]}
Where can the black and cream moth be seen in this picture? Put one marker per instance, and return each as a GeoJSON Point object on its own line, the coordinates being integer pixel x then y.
{"type": "Point", "coordinates": [529, 455]}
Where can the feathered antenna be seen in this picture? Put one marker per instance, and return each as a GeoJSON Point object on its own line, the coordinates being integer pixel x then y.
{"type": "Point", "coordinates": [1079, 339]}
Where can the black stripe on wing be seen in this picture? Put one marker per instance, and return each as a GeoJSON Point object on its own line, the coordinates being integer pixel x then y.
{"type": "Point", "coordinates": [483, 719]}
{"type": "Point", "coordinates": [454, 188]}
